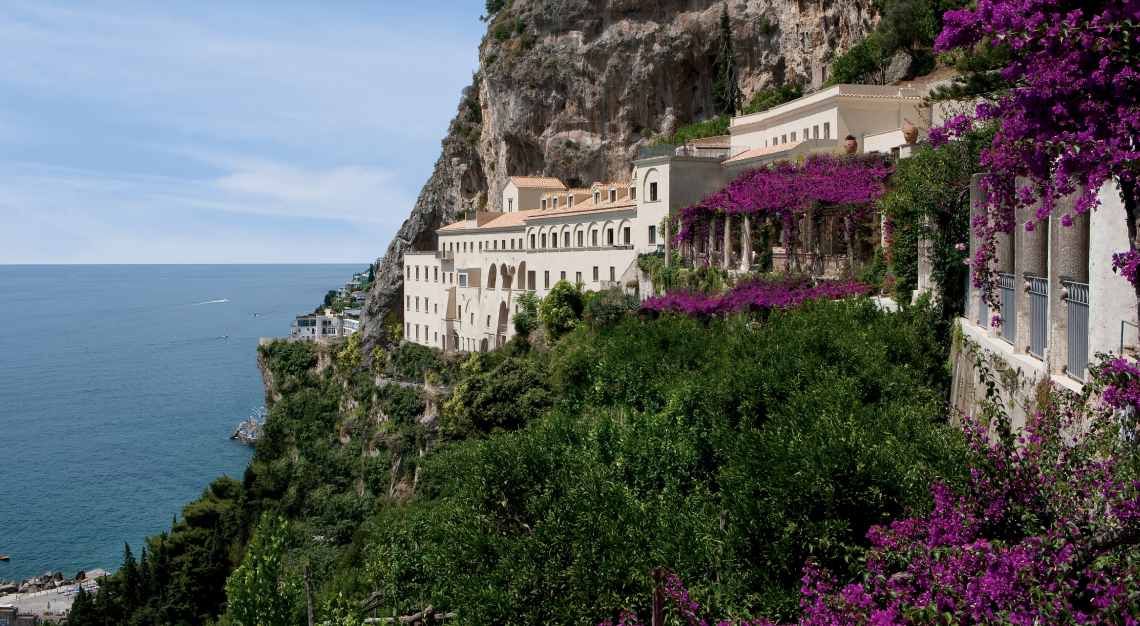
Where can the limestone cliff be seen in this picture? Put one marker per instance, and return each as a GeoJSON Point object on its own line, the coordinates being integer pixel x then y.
{"type": "Point", "coordinates": [572, 88]}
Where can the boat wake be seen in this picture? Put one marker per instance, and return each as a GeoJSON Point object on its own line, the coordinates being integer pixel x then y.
{"type": "Point", "coordinates": [223, 300]}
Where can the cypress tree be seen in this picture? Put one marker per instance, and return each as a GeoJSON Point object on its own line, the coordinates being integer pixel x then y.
{"type": "Point", "coordinates": [726, 85]}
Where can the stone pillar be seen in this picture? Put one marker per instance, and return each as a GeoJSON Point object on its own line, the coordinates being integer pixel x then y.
{"type": "Point", "coordinates": [1030, 258]}
{"type": "Point", "coordinates": [1068, 261]}
{"type": "Point", "coordinates": [727, 242]}
{"type": "Point", "coordinates": [746, 244]}
{"type": "Point", "coordinates": [974, 309]}
{"type": "Point", "coordinates": [712, 239]}
{"type": "Point", "coordinates": [665, 227]}
{"type": "Point", "coordinates": [925, 282]}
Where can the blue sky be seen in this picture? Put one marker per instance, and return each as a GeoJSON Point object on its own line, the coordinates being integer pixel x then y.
{"type": "Point", "coordinates": [221, 132]}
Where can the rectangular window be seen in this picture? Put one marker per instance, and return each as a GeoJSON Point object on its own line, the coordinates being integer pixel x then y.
{"type": "Point", "coordinates": [544, 240]}
{"type": "Point", "coordinates": [409, 268]}
{"type": "Point", "coordinates": [436, 310]}
{"type": "Point", "coordinates": [652, 234]}
{"type": "Point", "coordinates": [578, 277]}
{"type": "Point", "coordinates": [633, 193]}
{"type": "Point", "coordinates": [544, 204]}
{"type": "Point", "coordinates": [806, 135]}
{"type": "Point", "coordinates": [553, 240]}
{"type": "Point", "coordinates": [417, 303]}
{"type": "Point", "coordinates": [566, 240]}
{"type": "Point", "coordinates": [435, 273]}
{"type": "Point", "coordinates": [783, 139]}
{"type": "Point", "coordinates": [562, 275]}
{"type": "Point", "coordinates": [532, 242]}
{"type": "Point", "coordinates": [417, 272]}
{"type": "Point", "coordinates": [613, 195]}
{"type": "Point", "coordinates": [595, 273]}
{"type": "Point", "coordinates": [495, 245]}
{"type": "Point", "coordinates": [613, 274]}
{"type": "Point", "coordinates": [530, 282]}
{"type": "Point", "coordinates": [505, 244]}
{"type": "Point", "coordinates": [581, 236]}
{"type": "Point", "coordinates": [815, 132]}
{"type": "Point", "coordinates": [409, 305]}
{"type": "Point", "coordinates": [653, 192]}
{"type": "Point", "coordinates": [609, 237]}
{"type": "Point", "coordinates": [510, 205]}
{"type": "Point", "coordinates": [594, 238]}
{"type": "Point", "coordinates": [512, 244]}
{"type": "Point", "coordinates": [462, 279]}
{"type": "Point", "coordinates": [793, 136]}
{"type": "Point", "coordinates": [554, 202]}
{"type": "Point", "coordinates": [827, 130]}
{"type": "Point", "coordinates": [546, 279]}
{"type": "Point", "coordinates": [625, 235]}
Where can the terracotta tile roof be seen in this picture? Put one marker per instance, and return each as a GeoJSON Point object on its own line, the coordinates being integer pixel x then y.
{"type": "Point", "coordinates": [587, 206]}
{"type": "Point", "coordinates": [505, 220]}
{"type": "Point", "coordinates": [537, 182]}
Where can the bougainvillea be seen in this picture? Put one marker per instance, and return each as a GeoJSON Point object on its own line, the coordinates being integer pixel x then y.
{"type": "Point", "coordinates": [1068, 123]}
{"type": "Point", "coordinates": [1121, 380]}
{"type": "Point", "coordinates": [753, 295]}
{"type": "Point", "coordinates": [1046, 532]}
{"type": "Point", "coordinates": [786, 189]}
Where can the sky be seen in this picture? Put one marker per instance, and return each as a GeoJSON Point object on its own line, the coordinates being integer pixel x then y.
{"type": "Point", "coordinates": [222, 132]}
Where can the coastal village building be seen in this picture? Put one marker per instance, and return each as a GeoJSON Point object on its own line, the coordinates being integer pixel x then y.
{"type": "Point", "coordinates": [324, 326]}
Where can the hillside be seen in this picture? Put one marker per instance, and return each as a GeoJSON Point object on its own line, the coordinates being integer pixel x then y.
{"type": "Point", "coordinates": [572, 88]}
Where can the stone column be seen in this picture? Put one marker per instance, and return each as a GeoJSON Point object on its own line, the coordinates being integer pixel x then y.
{"type": "Point", "coordinates": [668, 242]}
{"type": "Point", "coordinates": [727, 242]}
{"type": "Point", "coordinates": [746, 244]}
{"type": "Point", "coordinates": [712, 240]}
{"type": "Point", "coordinates": [974, 310]}
{"type": "Point", "coordinates": [1030, 258]}
{"type": "Point", "coordinates": [1068, 260]}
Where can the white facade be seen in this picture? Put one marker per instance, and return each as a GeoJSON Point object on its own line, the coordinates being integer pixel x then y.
{"type": "Point", "coordinates": [464, 294]}
{"type": "Point", "coordinates": [322, 327]}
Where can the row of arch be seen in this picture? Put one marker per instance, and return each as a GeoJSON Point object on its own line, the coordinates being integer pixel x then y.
{"type": "Point", "coordinates": [586, 234]}
{"type": "Point", "coordinates": [504, 276]}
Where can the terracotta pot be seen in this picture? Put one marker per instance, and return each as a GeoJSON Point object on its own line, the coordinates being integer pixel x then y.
{"type": "Point", "coordinates": [909, 131]}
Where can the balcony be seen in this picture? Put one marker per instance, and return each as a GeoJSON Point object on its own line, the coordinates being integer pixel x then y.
{"type": "Point", "coordinates": [1008, 307]}
{"type": "Point", "coordinates": [1038, 289]}
{"type": "Point", "coordinates": [1076, 297]}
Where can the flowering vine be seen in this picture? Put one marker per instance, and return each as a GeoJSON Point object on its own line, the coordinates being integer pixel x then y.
{"type": "Point", "coordinates": [755, 295]}
{"type": "Point", "coordinates": [1068, 123]}
{"type": "Point", "coordinates": [785, 190]}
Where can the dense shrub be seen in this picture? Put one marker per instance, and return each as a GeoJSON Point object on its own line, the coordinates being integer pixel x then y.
{"type": "Point", "coordinates": [561, 309]}
{"type": "Point", "coordinates": [608, 307]}
{"type": "Point", "coordinates": [726, 451]}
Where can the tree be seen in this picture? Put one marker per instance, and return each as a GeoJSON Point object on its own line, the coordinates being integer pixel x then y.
{"type": "Point", "coordinates": [561, 309]}
{"type": "Point", "coordinates": [726, 83]}
{"type": "Point", "coordinates": [371, 273]}
{"type": "Point", "coordinates": [1067, 123]}
{"type": "Point", "coordinates": [259, 592]}
{"type": "Point", "coordinates": [526, 320]}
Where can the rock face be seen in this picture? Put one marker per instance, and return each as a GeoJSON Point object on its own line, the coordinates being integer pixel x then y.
{"type": "Point", "coordinates": [572, 88]}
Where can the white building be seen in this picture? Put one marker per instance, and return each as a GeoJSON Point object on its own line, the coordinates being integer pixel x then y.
{"type": "Point", "coordinates": [463, 294]}
{"type": "Point", "coordinates": [322, 326]}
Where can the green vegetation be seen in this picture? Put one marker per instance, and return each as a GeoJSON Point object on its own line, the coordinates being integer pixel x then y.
{"type": "Point", "coordinates": [908, 26]}
{"type": "Point", "coordinates": [697, 130]}
{"type": "Point", "coordinates": [772, 97]}
{"type": "Point", "coordinates": [726, 82]}
{"type": "Point", "coordinates": [929, 196]}
{"type": "Point", "coordinates": [557, 475]}
{"type": "Point", "coordinates": [561, 309]}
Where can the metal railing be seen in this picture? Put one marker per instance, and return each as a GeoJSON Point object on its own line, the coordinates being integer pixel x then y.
{"type": "Point", "coordinates": [1038, 315]}
{"type": "Point", "coordinates": [1008, 307]}
{"type": "Point", "coordinates": [1077, 303]}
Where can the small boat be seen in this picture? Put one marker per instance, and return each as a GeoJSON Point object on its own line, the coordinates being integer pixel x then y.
{"type": "Point", "coordinates": [4, 557]}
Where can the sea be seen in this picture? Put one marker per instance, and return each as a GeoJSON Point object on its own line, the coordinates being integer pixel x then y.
{"type": "Point", "coordinates": [119, 388]}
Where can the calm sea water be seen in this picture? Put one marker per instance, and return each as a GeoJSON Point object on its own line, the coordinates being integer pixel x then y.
{"type": "Point", "coordinates": [119, 388]}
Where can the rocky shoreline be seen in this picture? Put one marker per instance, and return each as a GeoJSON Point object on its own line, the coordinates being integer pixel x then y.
{"type": "Point", "coordinates": [48, 581]}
